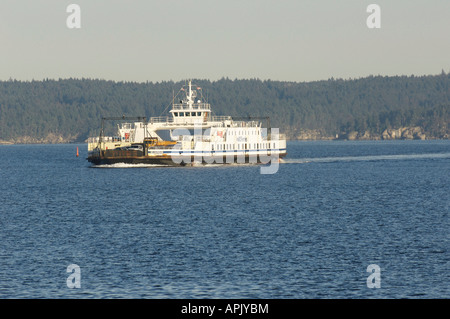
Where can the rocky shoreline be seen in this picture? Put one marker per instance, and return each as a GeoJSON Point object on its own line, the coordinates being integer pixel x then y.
{"type": "Point", "coordinates": [49, 139]}
{"type": "Point", "coordinates": [403, 133]}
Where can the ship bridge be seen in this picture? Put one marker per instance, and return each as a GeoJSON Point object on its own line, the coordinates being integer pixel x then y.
{"type": "Point", "coordinates": [190, 110]}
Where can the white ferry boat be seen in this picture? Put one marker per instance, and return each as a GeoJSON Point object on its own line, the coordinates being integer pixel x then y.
{"type": "Point", "coordinates": [190, 135]}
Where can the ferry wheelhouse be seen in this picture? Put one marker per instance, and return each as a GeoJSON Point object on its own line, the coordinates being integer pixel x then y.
{"type": "Point", "coordinates": [189, 135]}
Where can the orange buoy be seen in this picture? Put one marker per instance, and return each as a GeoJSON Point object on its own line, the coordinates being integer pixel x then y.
{"type": "Point", "coordinates": [77, 152]}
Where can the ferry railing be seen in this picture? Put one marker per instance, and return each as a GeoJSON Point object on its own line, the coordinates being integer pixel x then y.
{"type": "Point", "coordinates": [160, 119]}
{"type": "Point", "coordinates": [109, 139]}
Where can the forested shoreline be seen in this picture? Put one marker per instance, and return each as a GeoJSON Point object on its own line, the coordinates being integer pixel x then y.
{"type": "Point", "coordinates": [374, 107]}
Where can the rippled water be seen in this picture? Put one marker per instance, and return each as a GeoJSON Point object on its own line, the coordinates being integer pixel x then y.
{"type": "Point", "coordinates": [308, 231]}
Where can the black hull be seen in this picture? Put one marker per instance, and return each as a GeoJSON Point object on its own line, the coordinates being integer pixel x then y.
{"type": "Point", "coordinates": [182, 161]}
{"type": "Point", "coordinates": [96, 160]}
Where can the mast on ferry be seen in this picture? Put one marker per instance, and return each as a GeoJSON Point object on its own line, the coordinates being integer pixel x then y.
{"type": "Point", "coordinates": [190, 95]}
{"type": "Point", "coordinates": [188, 111]}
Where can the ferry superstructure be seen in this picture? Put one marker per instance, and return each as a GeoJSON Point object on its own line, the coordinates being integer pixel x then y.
{"type": "Point", "coordinates": [189, 135]}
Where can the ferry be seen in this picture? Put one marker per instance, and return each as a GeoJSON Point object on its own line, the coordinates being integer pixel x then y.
{"type": "Point", "coordinates": [190, 135]}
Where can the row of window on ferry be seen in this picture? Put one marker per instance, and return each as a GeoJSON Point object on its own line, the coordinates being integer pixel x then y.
{"type": "Point", "coordinates": [255, 146]}
{"type": "Point", "coordinates": [176, 114]}
{"type": "Point", "coordinates": [243, 133]}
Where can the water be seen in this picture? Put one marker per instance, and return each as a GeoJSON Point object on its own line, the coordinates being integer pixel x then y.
{"type": "Point", "coordinates": [308, 231]}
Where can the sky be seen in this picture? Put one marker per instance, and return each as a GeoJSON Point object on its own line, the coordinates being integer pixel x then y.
{"type": "Point", "coordinates": [163, 40]}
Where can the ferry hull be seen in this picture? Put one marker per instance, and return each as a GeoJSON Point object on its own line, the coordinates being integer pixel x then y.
{"type": "Point", "coordinates": [101, 160]}
{"type": "Point", "coordinates": [182, 160]}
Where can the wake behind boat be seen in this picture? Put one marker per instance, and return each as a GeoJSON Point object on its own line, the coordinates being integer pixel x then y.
{"type": "Point", "coordinates": [191, 134]}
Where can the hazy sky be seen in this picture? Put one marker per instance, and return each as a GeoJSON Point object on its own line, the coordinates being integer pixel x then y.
{"type": "Point", "coordinates": [160, 40]}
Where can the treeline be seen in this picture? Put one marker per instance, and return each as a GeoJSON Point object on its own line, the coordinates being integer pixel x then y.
{"type": "Point", "coordinates": [72, 108]}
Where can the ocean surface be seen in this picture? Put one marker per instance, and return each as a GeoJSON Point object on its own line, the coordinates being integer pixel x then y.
{"type": "Point", "coordinates": [308, 231]}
